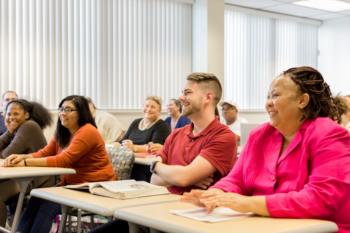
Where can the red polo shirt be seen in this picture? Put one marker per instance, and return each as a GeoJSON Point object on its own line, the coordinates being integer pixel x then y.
{"type": "Point", "coordinates": [216, 144]}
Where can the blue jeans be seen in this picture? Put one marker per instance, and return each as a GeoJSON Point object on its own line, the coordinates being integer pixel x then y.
{"type": "Point", "coordinates": [38, 216]}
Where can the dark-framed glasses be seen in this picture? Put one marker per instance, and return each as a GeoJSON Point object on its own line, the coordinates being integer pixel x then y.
{"type": "Point", "coordinates": [66, 109]}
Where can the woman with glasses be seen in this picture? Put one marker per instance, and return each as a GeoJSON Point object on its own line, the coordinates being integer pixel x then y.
{"type": "Point", "coordinates": [24, 123]}
{"type": "Point", "coordinates": [77, 144]}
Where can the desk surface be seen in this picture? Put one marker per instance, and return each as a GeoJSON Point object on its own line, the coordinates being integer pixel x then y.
{"type": "Point", "coordinates": [97, 204]}
{"type": "Point", "coordinates": [23, 172]}
{"type": "Point", "coordinates": [157, 216]}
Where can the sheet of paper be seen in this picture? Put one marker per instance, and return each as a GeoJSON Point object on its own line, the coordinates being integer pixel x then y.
{"type": "Point", "coordinates": [217, 215]}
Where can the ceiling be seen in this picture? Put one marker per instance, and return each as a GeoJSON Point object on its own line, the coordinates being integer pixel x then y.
{"type": "Point", "coordinates": [286, 7]}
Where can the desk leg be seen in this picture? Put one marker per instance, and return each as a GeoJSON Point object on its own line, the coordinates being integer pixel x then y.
{"type": "Point", "coordinates": [62, 226]}
{"type": "Point", "coordinates": [151, 230]}
{"type": "Point", "coordinates": [23, 183]}
{"type": "Point", "coordinates": [133, 228]}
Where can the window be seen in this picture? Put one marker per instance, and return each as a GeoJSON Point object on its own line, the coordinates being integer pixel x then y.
{"type": "Point", "coordinates": [258, 48]}
{"type": "Point", "coordinates": [115, 51]}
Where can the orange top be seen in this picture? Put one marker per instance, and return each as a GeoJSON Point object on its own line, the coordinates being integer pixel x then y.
{"type": "Point", "coordinates": [85, 153]}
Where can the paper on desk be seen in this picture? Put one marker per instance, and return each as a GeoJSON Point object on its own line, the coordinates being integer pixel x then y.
{"type": "Point", "coordinates": [219, 214]}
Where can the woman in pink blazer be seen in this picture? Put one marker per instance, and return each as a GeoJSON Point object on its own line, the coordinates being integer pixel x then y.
{"type": "Point", "coordinates": [295, 166]}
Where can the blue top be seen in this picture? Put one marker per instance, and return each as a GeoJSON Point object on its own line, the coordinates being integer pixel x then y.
{"type": "Point", "coordinates": [3, 128]}
{"type": "Point", "coordinates": [180, 123]}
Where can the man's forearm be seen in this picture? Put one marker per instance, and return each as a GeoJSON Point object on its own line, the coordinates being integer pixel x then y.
{"type": "Point", "coordinates": [175, 175]}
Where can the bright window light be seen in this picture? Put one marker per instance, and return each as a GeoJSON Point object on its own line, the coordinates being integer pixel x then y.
{"type": "Point", "coordinates": [328, 5]}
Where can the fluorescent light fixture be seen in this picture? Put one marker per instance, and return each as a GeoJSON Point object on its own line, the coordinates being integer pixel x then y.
{"type": "Point", "coordinates": [327, 5]}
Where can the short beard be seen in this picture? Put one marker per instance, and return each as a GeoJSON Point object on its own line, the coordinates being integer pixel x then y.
{"type": "Point", "coordinates": [190, 111]}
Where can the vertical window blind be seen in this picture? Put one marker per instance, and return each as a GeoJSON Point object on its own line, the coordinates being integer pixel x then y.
{"type": "Point", "coordinates": [115, 51]}
{"type": "Point", "coordinates": [257, 49]}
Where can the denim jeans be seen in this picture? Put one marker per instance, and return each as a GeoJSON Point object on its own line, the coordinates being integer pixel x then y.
{"type": "Point", "coordinates": [38, 216]}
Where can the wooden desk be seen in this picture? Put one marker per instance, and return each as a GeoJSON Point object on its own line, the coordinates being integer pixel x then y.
{"type": "Point", "coordinates": [93, 203]}
{"type": "Point", "coordinates": [157, 216]}
{"type": "Point", "coordinates": [24, 175]}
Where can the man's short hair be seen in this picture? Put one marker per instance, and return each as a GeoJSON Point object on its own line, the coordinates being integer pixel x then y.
{"type": "Point", "coordinates": [9, 91]}
{"type": "Point", "coordinates": [210, 81]}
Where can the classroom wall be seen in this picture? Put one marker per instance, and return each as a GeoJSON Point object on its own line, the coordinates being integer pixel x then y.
{"type": "Point", "coordinates": [126, 117]}
{"type": "Point", "coordinates": [334, 54]}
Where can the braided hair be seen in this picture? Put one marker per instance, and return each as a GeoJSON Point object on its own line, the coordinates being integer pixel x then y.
{"type": "Point", "coordinates": [310, 81]}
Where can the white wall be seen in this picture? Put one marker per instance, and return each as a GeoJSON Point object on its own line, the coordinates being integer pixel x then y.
{"type": "Point", "coordinates": [126, 117]}
{"type": "Point", "coordinates": [334, 57]}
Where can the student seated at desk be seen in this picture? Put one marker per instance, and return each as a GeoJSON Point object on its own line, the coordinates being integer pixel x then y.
{"type": "Point", "coordinates": [176, 119]}
{"type": "Point", "coordinates": [295, 166]}
{"type": "Point", "coordinates": [146, 134]}
{"type": "Point", "coordinates": [77, 144]}
{"type": "Point", "coordinates": [24, 122]}
{"type": "Point", "coordinates": [197, 154]}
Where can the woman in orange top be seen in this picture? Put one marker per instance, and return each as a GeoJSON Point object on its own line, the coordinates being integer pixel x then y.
{"type": "Point", "coordinates": [77, 144]}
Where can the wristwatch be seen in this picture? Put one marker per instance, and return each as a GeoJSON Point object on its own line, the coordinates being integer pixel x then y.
{"type": "Point", "coordinates": [153, 166]}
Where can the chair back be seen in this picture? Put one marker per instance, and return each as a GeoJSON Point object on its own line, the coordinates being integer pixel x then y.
{"type": "Point", "coordinates": [122, 160]}
{"type": "Point", "coordinates": [245, 130]}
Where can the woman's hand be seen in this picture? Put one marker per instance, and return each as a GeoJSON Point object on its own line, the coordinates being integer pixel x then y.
{"type": "Point", "coordinates": [154, 147]}
{"type": "Point", "coordinates": [231, 200]}
{"type": "Point", "coordinates": [195, 195]}
{"type": "Point", "coordinates": [128, 144]}
{"type": "Point", "coordinates": [15, 160]}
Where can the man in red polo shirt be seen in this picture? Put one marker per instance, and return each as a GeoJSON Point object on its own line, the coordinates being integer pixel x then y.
{"type": "Point", "coordinates": [199, 153]}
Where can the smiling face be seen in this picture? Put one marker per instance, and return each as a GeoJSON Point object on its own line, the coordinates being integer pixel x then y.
{"type": "Point", "coordinates": [229, 113]}
{"type": "Point", "coordinates": [285, 103]}
{"type": "Point", "coordinates": [151, 110]}
{"type": "Point", "coordinates": [15, 116]}
{"type": "Point", "coordinates": [69, 116]}
{"type": "Point", "coordinates": [172, 108]}
{"type": "Point", "coordinates": [192, 99]}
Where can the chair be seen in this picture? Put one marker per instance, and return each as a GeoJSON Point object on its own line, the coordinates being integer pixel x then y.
{"type": "Point", "coordinates": [123, 162]}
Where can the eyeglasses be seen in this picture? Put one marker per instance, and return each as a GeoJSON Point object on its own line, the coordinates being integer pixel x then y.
{"type": "Point", "coordinates": [66, 110]}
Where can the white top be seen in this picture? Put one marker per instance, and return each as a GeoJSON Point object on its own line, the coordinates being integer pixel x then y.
{"type": "Point", "coordinates": [236, 126]}
{"type": "Point", "coordinates": [108, 125]}
{"type": "Point", "coordinates": [158, 216]}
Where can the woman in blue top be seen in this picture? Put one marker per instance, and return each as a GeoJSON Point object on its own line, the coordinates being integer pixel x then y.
{"type": "Point", "coordinates": [176, 120]}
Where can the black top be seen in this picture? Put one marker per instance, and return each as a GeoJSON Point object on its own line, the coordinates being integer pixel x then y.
{"type": "Point", "coordinates": [156, 134]}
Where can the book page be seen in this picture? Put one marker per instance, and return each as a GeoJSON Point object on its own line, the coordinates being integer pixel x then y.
{"type": "Point", "coordinates": [219, 214]}
{"type": "Point", "coordinates": [83, 186]}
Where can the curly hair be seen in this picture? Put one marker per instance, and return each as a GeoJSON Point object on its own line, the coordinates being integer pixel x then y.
{"type": "Point", "coordinates": [62, 134]}
{"type": "Point", "coordinates": [310, 81]}
{"type": "Point", "coordinates": [36, 111]}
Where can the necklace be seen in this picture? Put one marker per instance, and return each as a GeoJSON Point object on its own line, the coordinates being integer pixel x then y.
{"type": "Point", "coordinates": [143, 125]}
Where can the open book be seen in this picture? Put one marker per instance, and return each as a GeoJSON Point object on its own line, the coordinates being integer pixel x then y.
{"type": "Point", "coordinates": [219, 214]}
{"type": "Point", "coordinates": [121, 189]}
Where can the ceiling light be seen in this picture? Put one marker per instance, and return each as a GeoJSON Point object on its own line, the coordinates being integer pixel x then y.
{"type": "Point", "coordinates": [327, 5]}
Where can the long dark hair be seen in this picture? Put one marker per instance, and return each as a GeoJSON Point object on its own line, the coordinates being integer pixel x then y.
{"type": "Point", "coordinates": [36, 111]}
{"type": "Point", "coordinates": [62, 134]}
{"type": "Point", "coordinates": [310, 81]}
